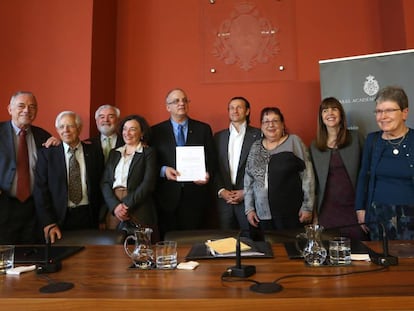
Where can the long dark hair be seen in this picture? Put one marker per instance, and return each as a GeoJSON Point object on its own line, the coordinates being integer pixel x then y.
{"type": "Point", "coordinates": [343, 138]}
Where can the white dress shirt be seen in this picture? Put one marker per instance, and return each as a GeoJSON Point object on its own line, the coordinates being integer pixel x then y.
{"type": "Point", "coordinates": [122, 168]}
{"type": "Point", "coordinates": [234, 149]}
{"type": "Point", "coordinates": [81, 159]}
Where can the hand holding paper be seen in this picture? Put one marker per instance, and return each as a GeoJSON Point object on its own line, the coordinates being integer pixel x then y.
{"type": "Point", "coordinates": [190, 162]}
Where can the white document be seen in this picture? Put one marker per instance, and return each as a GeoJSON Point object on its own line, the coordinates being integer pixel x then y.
{"type": "Point", "coordinates": [191, 163]}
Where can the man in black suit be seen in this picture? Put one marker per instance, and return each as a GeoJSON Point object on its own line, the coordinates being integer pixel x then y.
{"type": "Point", "coordinates": [181, 205]}
{"type": "Point", "coordinates": [56, 208]}
{"type": "Point", "coordinates": [107, 118]}
{"type": "Point", "coordinates": [233, 146]}
{"type": "Point", "coordinates": [17, 216]}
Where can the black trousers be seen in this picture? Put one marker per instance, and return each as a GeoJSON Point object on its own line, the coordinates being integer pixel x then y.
{"type": "Point", "coordinates": [78, 218]}
{"type": "Point", "coordinates": [187, 215]}
{"type": "Point", "coordinates": [18, 221]}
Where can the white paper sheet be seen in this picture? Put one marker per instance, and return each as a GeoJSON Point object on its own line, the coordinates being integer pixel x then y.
{"type": "Point", "coordinates": [190, 163]}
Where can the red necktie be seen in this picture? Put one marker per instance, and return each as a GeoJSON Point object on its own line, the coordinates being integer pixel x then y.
{"type": "Point", "coordinates": [23, 169]}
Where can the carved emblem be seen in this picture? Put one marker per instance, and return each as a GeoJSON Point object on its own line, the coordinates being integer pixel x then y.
{"type": "Point", "coordinates": [245, 38]}
{"type": "Point", "coordinates": [371, 86]}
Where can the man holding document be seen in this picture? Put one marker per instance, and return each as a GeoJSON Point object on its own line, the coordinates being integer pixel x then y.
{"type": "Point", "coordinates": [185, 152]}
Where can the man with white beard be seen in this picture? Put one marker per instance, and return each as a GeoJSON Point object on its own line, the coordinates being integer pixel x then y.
{"type": "Point", "coordinates": [107, 118]}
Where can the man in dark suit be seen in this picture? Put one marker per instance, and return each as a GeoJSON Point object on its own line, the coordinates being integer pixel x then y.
{"type": "Point", "coordinates": [57, 208]}
{"type": "Point", "coordinates": [181, 205]}
{"type": "Point", "coordinates": [233, 146]}
{"type": "Point", "coordinates": [17, 213]}
{"type": "Point", "coordinates": [107, 118]}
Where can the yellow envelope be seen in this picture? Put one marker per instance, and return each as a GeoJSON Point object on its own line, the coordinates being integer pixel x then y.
{"type": "Point", "coordinates": [227, 245]}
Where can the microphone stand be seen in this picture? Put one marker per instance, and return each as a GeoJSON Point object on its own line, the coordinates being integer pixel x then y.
{"type": "Point", "coordinates": [383, 259]}
{"type": "Point", "coordinates": [50, 266]}
{"type": "Point", "coordinates": [239, 270]}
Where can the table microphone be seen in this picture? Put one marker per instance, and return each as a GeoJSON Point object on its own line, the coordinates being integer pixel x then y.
{"type": "Point", "coordinates": [50, 265]}
{"type": "Point", "coordinates": [240, 270]}
{"type": "Point", "coordinates": [383, 259]}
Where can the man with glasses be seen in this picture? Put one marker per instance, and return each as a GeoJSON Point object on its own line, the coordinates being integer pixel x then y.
{"type": "Point", "coordinates": [181, 205]}
{"type": "Point", "coordinates": [67, 185]}
{"type": "Point", "coordinates": [19, 143]}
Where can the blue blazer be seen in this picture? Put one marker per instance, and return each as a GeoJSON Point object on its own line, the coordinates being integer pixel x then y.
{"type": "Point", "coordinates": [51, 186]}
{"type": "Point", "coordinates": [373, 149]}
{"type": "Point", "coordinates": [8, 165]}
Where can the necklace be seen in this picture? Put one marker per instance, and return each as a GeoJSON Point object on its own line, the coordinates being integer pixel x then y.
{"type": "Point", "coordinates": [274, 144]}
{"type": "Point", "coordinates": [396, 145]}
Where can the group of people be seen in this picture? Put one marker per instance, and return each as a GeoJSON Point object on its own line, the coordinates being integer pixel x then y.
{"type": "Point", "coordinates": [371, 182]}
{"type": "Point", "coordinates": [260, 178]}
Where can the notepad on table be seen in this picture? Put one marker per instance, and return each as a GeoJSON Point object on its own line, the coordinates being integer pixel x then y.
{"type": "Point", "coordinates": [226, 246]}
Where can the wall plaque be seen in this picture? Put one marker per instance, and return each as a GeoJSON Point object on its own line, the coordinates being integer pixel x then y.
{"type": "Point", "coordinates": [248, 40]}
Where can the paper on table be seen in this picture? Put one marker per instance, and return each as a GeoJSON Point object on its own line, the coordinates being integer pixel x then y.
{"type": "Point", "coordinates": [21, 269]}
{"type": "Point", "coordinates": [190, 163]}
{"type": "Point", "coordinates": [226, 246]}
{"type": "Point", "coordinates": [188, 265]}
{"type": "Point", "coordinates": [364, 257]}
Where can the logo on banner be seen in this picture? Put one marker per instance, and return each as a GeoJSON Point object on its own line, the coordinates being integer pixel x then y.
{"type": "Point", "coordinates": [371, 86]}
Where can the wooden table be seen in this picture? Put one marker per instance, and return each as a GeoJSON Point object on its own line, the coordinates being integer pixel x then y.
{"type": "Point", "coordinates": [103, 282]}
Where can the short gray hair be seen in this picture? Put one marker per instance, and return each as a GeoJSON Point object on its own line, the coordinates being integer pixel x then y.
{"type": "Point", "coordinates": [98, 111]}
{"type": "Point", "coordinates": [393, 93]}
{"type": "Point", "coordinates": [78, 120]}
{"type": "Point", "coordinates": [13, 97]}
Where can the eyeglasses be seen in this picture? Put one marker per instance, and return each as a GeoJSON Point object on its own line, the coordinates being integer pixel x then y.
{"type": "Point", "coordinates": [22, 106]}
{"type": "Point", "coordinates": [270, 122]}
{"type": "Point", "coordinates": [379, 112]}
{"type": "Point", "coordinates": [176, 101]}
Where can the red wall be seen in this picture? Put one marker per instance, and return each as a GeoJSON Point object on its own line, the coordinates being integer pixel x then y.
{"type": "Point", "coordinates": [46, 49]}
{"type": "Point", "coordinates": [159, 42]}
{"type": "Point", "coordinates": [78, 54]}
